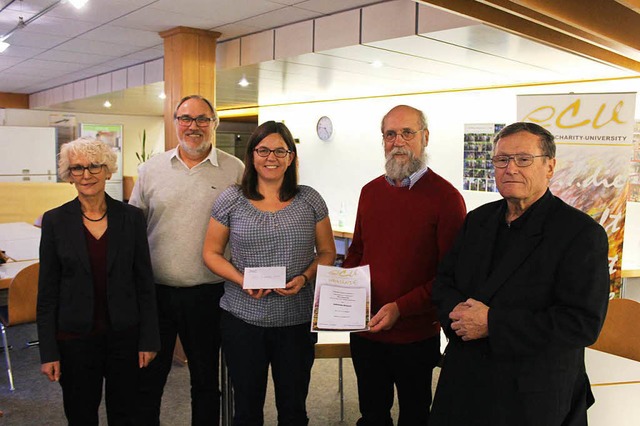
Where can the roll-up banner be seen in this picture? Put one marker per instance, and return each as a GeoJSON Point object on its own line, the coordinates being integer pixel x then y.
{"type": "Point", "coordinates": [594, 138]}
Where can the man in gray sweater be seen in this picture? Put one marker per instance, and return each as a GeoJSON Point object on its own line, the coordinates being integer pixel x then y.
{"type": "Point", "coordinates": [176, 190]}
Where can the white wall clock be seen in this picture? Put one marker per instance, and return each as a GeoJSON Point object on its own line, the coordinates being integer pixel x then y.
{"type": "Point", "coordinates": [324, 128]}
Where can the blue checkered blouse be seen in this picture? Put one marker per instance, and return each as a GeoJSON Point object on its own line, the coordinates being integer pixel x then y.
{"type": "Point", "coordinates": [258, 239]}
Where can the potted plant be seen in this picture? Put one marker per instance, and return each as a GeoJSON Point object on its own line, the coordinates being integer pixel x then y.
{"type": "Point", "coordinates": [143, 155]}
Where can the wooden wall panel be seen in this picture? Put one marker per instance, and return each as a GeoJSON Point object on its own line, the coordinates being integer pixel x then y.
{"type": "Point", "coordinates": [14, 100]}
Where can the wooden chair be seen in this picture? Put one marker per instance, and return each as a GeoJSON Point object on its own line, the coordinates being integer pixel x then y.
{"type": "Point", "coordinates": [620, 334]}
{"type": "Point", "coordinates": [21, 307]}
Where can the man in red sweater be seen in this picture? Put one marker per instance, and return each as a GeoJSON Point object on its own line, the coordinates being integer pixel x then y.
{"type": "Point", "coordinates": [407, 220]}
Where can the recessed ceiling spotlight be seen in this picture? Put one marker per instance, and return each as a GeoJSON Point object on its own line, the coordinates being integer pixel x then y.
{"type": "Point", "coordinates": [3, 46]}
{"type": "Point", "coordinates": [377, 64]}
{"type": "Point", "coordinates": [78, 3]}
{"type": "Point", "coordinates": [162, 95]}
{"type": "Point", "coordinates": [107, 104]}
{"type": "Point", "coordinates": [243, 82]}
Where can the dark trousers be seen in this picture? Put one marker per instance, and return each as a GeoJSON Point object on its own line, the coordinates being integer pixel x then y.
{"type": "Point", "coordinates": [249, 349]}
{"type": "Point", "coordinates": [380, 366]}
{"type": "Point", "coordinates": [193, 313]}
{"type": "Point", "coordinates": [84, 364]}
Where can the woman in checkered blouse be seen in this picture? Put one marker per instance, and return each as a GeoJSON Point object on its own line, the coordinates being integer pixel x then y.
{"type": "Point", "coordinates": [269, 220]}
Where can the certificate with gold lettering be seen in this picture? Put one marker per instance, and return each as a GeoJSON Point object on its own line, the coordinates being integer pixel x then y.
{"type": "Point", "coordinates": [342, 299]}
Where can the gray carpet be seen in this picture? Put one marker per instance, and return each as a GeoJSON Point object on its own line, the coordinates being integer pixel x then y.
{"type": "Point", "coordinates": [37, 402]}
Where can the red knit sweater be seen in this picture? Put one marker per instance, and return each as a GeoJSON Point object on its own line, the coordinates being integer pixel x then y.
{"type": "Point", "coordinates": [402, 234]}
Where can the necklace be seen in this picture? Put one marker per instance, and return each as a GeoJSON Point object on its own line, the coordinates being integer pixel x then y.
{"type": "Point", "coordinates": [95, 220]}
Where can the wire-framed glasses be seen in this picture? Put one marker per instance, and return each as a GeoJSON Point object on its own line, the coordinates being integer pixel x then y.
{"type": "Point", "coordinates": [521, 160]}
{"type": "Point", "coordinates": [406, 134]}
{"type": "Point", "coordinates": [278, 152]}
{"type": "Point", "coordinates": [78, 170]}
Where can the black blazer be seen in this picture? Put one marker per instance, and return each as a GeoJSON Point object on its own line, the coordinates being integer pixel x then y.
{"type": "Point", "coordinates": [548, 298]}
{"type": "Point", "coordinates": [65, 289]}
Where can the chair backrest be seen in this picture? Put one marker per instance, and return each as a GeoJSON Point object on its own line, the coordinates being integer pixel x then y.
{"type": "Point", "coordinates": [620, 334]}
{"type": "Point", "coordinates": [23, 296]}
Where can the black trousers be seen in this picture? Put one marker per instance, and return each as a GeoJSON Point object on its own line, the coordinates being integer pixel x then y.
{"type": "Point", "coordinates": [380, 366]}
{"type": "Point", "coordinates": [249, 350]}
{"type": "Point", "coordinates": [193, 313]}
{"type": "Point", "coordinates": [88, 361]}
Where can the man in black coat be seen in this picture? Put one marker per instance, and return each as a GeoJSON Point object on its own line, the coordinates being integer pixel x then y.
{"type": "Point", "coordinates": [521, 294]}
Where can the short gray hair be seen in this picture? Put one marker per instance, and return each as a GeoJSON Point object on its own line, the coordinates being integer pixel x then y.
{"type": "Point", "coordinates": [547, 142]}
{"type": "Point", "coordinates": [94, 150]}
{"type": "Point", "coordinates": [216, 119]}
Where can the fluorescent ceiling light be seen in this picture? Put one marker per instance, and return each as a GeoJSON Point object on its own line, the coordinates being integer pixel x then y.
{"type": "Point", "coordinates": [3, 46]}
{"type": "Point", "coordinates": [78, 3]}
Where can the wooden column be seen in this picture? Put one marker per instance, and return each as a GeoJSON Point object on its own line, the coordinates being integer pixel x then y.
{"type": "Point", "coordinates": [189, 69]}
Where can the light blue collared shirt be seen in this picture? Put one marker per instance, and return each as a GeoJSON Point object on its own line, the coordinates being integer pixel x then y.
{"type": "Point", "coordinates": [409, 181]}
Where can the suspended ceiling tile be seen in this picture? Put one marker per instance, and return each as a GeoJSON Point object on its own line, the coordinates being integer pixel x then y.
{"type": "Point", "coordinates": [98, 11]}
{"type": "Point", "coordinates": [472, 59]}
{"type": "Point", "coordinates": [19, 83]}
{"type": "Point", "coordinates": [519, 49]}
{"type": "Point", "coordinates": [341, 29]}
{"type": "Point", "coordinates": [217, 13]}
{"type": "Point", "coordinates": [122, 35]}
{"type": "Point", "coordinates": [285, 2]}
{"type": "Point", "coordinates": [28, 70]}
{"type": "Point", "coordinates": [98, 47]}
{"type": "Point", "coordinates": [8, 61]}
{"type": "Point", "coordinates": [280, 17]}
{"type": "Point", "coordinates": [405, 61]}
{"type": "Point", "coordinates": [432, 19]}
{"type": "Point", "coordinates": [53, 66]}
{"type": "Point", "coordinates": [28, 6]}
{"type": "Point", "coordinates": [388, 20]}
{"type": "Point", "coordinates": [22, 51]}
{"type": "Point", "coordinates": [331, 6]}
{"type": "Point", "coordinates": [294, 39]}
{"type": "Point", "coordinates": [80, 58]}
{"type": "Point", "coordinates": [50, 25]}
{"type": "Point", "coordinates": [145, 55]}
{"type": "Point", "coordinates": [234, 30]}
{"type": "Point", "coordinates": [156, 20]}
{"type": "Point", "coordinates": [27, 38]}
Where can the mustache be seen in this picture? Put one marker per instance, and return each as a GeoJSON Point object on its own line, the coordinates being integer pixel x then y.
{"type": "Point", "coordinates": [194, 132]}
{"type": "Point", "coordinates": [400, 150]}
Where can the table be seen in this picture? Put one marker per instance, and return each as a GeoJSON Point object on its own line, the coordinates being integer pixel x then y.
{"type": "Point", "coordinates": [615, 383]}
{"type": "Point", "coordinates": [20, 240]}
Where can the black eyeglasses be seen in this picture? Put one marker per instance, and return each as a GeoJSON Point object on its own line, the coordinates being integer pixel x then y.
{"type": "Point", "coordinates": [78, 170]}
{"type": "Point", "coordinates": [406, 134]}
{"type": "Point", "coordinates": [521, 160]}
{"type": "Point", "coordinates": [278, 152]}
{"type": "Point", "coordinates": [201, 121]}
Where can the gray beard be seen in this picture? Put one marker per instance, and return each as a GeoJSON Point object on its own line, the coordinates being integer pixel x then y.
{"type": "Point", "coordinates": [199, 150]}
{"type": "Point", "coordinates": [399, 171]}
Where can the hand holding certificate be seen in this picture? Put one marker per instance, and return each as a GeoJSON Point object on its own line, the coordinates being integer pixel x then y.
{"type": "Point", "coordinates": [342, 299]}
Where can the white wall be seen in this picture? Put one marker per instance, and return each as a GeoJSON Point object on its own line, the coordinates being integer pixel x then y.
{"type": "Point", "coordinates": [339, 167]}
{"type": "Point", "coordinates": [132, 127]}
